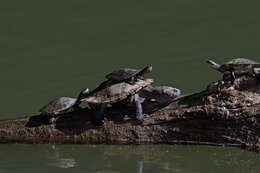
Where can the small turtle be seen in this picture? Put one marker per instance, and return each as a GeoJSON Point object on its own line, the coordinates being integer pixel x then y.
{"type": "Point", "coordinates": [236, 66]}
{"type": "Point", "coordinates": [124, 75]}
{"type": "Point", "coordinates": [128, 74]}
{"type": "Point", "coordinates": [114, 93]}
{"type": "Point", "coordinates": [62, 105]}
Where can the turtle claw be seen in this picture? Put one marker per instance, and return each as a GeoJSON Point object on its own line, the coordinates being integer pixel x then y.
{"type": "Point", "coordinates": [143, 117]}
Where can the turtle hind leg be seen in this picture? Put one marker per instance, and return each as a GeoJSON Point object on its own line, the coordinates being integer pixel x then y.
{"type": "Point", "coordinates": [52, 119]}
{"type": "Point", "coordinates": [139, 109]}
{"type": "Point", "coordinates": [233, 77]}
{"type": "Point", "coordinates": [99, 114]}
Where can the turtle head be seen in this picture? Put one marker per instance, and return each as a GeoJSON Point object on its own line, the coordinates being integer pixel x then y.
{"type": "Point", "coordinates": [212, 63]}
{"type": "Point", "coordinates": [145, 70]}
{"type": "Point", "coordinates": [83, 93]}
{"type": "Point", "coordinates": [215, 66]}
{"type": "Point", "coordinates": [148, 69]}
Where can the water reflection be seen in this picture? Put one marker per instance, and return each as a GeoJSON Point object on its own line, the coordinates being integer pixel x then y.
{"type": "Point", "coordinates": [140, 165]}
{"type": "Point", "coordinates": [127, 159]}
{"type": "Point", "coordinates": [57, 160]}
{"type": "Point", "coordinates": [159, 158]}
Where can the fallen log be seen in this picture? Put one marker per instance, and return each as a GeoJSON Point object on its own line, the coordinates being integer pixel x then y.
{"type": "Point", "coordinates": [222, 114]}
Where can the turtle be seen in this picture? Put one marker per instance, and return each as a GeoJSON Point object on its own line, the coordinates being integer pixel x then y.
{"type": "Point", "coordinates": [162, 90]}
{"type": "Point", "coordinates": [160, 94]}
{"type": "Point", "coordinates": [128, 74]}
{"type": "Point", "coordinates": [103, 97]}
{"type": "Point", "coordinates": [62, 105]}
{"type": "Point", "coordinates": [236, 66]}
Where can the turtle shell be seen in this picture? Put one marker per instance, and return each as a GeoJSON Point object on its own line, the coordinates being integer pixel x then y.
{"type": "Point", "coordinates": [241, 61]}
{"type": "Point", "coordinates": [122, 74]}
{"type": "Point", "coordinates": [116, 92]}
{"type": "Point", "coordinates": [240, 64]}
{"type": "Point", "coordinates": [58, 106]}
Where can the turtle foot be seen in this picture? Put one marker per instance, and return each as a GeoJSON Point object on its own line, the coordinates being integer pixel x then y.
{"type": "Point", "coordinates": [233, 78]}
{"type": "Point", "coordinates": [52, 120]}
{"type": "Point", "coordinates": [143, 117]}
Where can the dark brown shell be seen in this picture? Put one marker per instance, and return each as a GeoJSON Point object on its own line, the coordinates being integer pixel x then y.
{"type": "Point", "coordinates": [122, 74]}
{"type": "Point", "coordinates": [116, 92]}
{"type": "Point", "coordinates": [241, 61]}
{"type": "Point", "coordinates": [57, 106]}
{"type": "Point", "coordinates": [240, 65]}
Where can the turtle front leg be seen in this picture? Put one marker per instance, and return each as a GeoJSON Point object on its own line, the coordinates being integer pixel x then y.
{"type": "Point", "coordinates": [139, 109]}
{"type": "Point", "coordinates": [229, 77]}
{"type": "Point", "coordinates": [233, 77]}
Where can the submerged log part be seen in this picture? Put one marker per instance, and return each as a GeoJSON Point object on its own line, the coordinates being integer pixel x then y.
{"type": "Point", "coordinates": [222, 114]}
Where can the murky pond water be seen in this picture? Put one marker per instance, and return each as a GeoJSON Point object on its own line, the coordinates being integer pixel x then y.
{"type": "Point", "coordinates": [132, 159]}
{"type": "Point", "coordinates": [56, 48]}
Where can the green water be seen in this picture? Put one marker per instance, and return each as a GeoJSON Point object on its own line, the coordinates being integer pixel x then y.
{"type": "Point", "coordinates": [56, 48]}
{"type": "Point", "coordinates": [127, 159]}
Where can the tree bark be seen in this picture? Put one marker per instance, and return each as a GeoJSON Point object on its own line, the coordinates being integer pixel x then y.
{"type": "Point", "coordinates": [222, 114]}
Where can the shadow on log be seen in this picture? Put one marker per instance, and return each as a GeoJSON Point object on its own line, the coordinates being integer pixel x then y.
{"type": "Point", "coordinates": [222, 114]}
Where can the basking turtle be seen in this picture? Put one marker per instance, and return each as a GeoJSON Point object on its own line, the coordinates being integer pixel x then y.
{"type": "Point", "coordinates": [116, 92]}
{"type": "Point", "coordinates": [162, 90]}
{"type": "Point", "coordinates": [124, 75]}
{"type": "Point", "coordinates": [62, 105]}
{"type": "Point", "coordinates": [160, 94]}
{"type": "Point", "coordinates": [236, 66]}
{"type": "Point", "coordinates": [128, 74]}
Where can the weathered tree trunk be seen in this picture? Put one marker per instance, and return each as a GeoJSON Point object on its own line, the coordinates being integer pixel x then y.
{"type": "Point", "coordinates": [224, 115]}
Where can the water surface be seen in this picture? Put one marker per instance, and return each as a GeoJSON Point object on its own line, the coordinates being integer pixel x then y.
{"type": "Point", "coordinates": [127, 159]}
{"type": "Point", "coordinates": [56, 48]}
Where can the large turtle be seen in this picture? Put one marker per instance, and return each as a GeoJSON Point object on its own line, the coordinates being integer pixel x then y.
{"type": "Point", "coordinates": [128, 74]}
{"type": "Point", "coordinates": [115, 92]}
{"type": "Point", "coordinates": [62, 105]}
{"type": "Point", "coordinates": [236, 66]}
{"type": "Point", "coordinates": [162, 95]}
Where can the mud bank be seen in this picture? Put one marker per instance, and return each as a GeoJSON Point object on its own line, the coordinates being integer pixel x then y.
{"type": "Point", "coordinates": [224, 115]}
